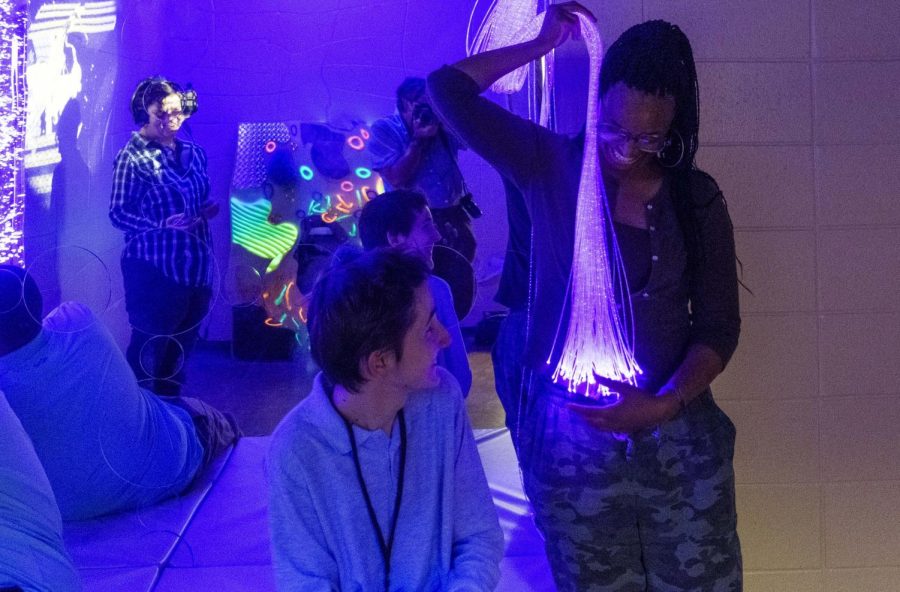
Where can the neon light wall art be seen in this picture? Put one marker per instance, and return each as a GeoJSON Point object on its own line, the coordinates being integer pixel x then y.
{"type": "Point", "coordinates": [292, 179]}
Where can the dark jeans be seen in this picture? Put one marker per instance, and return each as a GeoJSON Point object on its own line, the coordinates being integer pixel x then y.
{"type": "Point", "coordinates": [165, 320]}
{"type": "Point", "coordinates": [506, 357]}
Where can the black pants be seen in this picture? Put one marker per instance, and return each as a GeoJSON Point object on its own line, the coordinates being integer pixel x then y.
{"type": "Point", "coordinates": [165, 320]}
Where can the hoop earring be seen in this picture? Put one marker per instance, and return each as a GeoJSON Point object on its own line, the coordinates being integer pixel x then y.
{"type": "Point", "coordinates": [660, 156]}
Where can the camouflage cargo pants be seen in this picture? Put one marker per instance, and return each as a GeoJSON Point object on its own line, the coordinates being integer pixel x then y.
{"type": "Point", "coordinates": [651, 512]}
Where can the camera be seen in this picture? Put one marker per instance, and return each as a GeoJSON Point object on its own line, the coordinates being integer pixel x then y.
{"type": "Point", "coordinates": [423, 114]}
{"type": "Point", "coordinates": [467, 203]}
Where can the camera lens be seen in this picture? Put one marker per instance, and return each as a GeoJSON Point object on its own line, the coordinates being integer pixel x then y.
{"type": "Point", "coordinates": [423, 113]}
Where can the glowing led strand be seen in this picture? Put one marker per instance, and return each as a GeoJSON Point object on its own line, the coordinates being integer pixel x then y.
{"type": "Point", "coordinates": [12, 130]}
{"type": "Point", "coordinates": [507, 22]}
{"type": "Point", "coordinates": [595, 343]}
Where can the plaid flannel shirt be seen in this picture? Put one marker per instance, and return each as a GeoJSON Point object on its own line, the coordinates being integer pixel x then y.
{"type": "Point", "coordinates": [150, 184]}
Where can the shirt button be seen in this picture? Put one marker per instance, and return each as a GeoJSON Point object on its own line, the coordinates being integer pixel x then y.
{"type": "Point", "coordinates": [655, 258]}
{"type": "Point", "coordinates": [652, 228]}
{"type": "Point", "coordinates": [645, 295]}
{"type": "Point", "coordinates": [649, 206]}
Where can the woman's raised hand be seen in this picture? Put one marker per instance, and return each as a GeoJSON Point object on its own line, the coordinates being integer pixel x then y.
{"type": "Point", "coordinates": [561, 23]}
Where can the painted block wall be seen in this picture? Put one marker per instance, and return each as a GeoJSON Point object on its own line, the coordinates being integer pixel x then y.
{"type": "Point", "coordinates": [801, 127]}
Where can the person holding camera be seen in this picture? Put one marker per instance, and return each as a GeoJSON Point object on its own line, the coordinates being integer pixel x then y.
{"type": "Point", "coordinates": [412, 150]}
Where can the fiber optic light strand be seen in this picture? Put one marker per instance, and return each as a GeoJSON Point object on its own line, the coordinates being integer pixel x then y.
{"type": "Point", "coordinates": [506, 22]}
{"type": "Point", "coordinates": [596, 343]}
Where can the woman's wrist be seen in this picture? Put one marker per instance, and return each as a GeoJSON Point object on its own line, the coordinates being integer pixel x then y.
{"type": "Point", "coordinates": [675, 399]}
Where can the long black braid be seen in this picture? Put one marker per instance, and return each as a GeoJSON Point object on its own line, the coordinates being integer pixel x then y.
{"type": "Point", "coordinates": [656, 57]}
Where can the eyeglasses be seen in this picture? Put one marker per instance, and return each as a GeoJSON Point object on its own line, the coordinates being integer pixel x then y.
{"type": "Point", "coordinates": [613, 134]}
{"type": "Point", "coordinates": [166, 115]}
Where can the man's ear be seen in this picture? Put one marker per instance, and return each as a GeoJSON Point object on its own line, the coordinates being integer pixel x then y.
{"type": "Point", "coordinates": [376, 364]}
{"type": "Point", "coordinates": [395, 240]}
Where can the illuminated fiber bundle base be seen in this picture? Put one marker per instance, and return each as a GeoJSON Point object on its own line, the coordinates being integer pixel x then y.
{"type": "Point", "coordinates": [596, 341]}
{"type": "Point", "coordinates": [590, 390]}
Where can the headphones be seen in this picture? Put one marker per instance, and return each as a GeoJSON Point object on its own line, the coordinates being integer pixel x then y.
{"type": "Point", "coordinates": [159, 85]}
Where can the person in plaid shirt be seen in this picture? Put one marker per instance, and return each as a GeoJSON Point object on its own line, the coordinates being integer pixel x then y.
{"type": "Point", "coordinates": [160, 199]}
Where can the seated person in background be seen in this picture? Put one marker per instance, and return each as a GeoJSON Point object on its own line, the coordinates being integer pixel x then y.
{"type": "Point", "coordinates": [32, 554]}
{"type": "Point", "coordinates": [403, 220]}
{"type": "Point", "coordinates": [106, 444]}
{"type": "Point", "coordinates": [375, 479]}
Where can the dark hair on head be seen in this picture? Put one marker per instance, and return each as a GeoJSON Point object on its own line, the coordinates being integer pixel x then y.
{"type": "Point", "coordinates": [360, 307]}
{"type": "Point", "coordinates": [393, 212]}
{"type": "Point", "coordinates": [149, 92]}
{"type": "Point", "coordinates": [409, 90]}
{"type": "Point", "coordinates": [21, 308]}
{"type": "Point", "coordinates": [656, 57]}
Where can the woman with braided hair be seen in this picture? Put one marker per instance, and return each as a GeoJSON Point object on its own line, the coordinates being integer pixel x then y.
{"type": "Point", "coordinates": [637, 495]}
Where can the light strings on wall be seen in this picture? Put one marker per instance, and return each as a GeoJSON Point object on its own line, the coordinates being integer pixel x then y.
{"type": "Point", "coordinates": [12, 130]}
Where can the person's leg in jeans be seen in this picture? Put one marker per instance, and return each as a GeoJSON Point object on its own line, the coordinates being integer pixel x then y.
{"type": "Point", "coordinates": [164, 318]}
{"type": "Point", "coordinates": [174, 358]}
{"type": "Point", "coordinates": [506, 357]}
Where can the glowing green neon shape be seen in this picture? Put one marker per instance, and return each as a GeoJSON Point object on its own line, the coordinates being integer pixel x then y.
{"type": "Point", "coordinates": [251, 229]}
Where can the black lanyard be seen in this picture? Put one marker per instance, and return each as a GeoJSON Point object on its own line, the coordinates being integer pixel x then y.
{"type": "Point", "coordinates": [385, 546]}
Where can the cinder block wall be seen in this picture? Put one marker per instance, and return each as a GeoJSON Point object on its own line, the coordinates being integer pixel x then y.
{"type": "Point", "coordinates": [801, 127]}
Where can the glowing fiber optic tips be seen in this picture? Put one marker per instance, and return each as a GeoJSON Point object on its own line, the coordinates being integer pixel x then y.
{"type": "Point", "coordinates": [596, 341]}
{"type": "Point", "coordinates": [507, 22]}
{"type": "Point", "coordinates": [306, 173]}
{"type": "Point", "coordinates": [363, 173]}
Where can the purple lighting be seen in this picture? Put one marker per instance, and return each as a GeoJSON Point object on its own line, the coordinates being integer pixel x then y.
{"type": "Point", "coordinates": [12, 130]}
{"type": "Point", "coordinates": [596, 343]}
